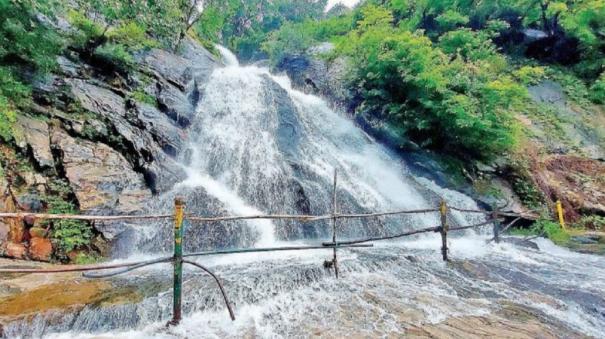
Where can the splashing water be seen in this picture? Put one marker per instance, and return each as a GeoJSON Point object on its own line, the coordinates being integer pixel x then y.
{"type": "Point", "coordinates": [259, 146]}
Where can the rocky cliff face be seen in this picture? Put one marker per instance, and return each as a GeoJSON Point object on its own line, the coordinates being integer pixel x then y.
{"type": "Point", "coordinates": [108, 141]}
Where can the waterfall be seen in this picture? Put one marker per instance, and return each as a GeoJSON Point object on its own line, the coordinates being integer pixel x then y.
{"type": "Point", "coordinates": [257, 145]}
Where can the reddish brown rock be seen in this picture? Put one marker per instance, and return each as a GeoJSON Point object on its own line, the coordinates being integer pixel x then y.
{"type": "Point", "coordinates": [40, 249]}
{"type": "Point", "coordinates": [14, 250]}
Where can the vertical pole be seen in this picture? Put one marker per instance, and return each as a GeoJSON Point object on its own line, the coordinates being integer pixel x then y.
{"type": "Point", "coordinates": [495, 215]}
{"type": "Point", "coordinates": [179, 209]}
{"type": "Point", "coordinates": [560, 214]}
{"type": "Point", "coordinates": [444, 229]}
{"type": "Point", "coordinates": [334, 260]}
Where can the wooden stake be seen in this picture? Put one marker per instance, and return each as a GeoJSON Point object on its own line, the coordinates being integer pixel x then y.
{"type": "Point", "coordinates": [496, 225]}
{"type": "Point", "coordinates": [334, 260]}
{"type": "Point", "coordinates": [444, 229]}
{"type": "Point", "coordinates": [179, 211]}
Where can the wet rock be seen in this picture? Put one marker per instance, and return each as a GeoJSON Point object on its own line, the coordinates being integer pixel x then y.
{"type": "Point", "coordinates": [101, 245]}
{"type": "Point", "coordinates": [101, 178]}
{"type": "Point", "coordinates": [36, 139]}
{"type": "Point", "coordinates": [520, 242]}
{"type": "Point", "coordinates": [289, 130]}
{"type": "Point", "coordinates": [15, 250]}
{"type": "Point", "coordinates": [97, 99]}
{"type": "Point", "coordinates": [581, 128]}
{"type": "Point", "coordinates": [40, 249]}
{"type": "Point", "coordinates": [16, 228]}
{"type": "Point", "coordinates": [30, 202]}
{"type": "Point", "coordinates": [310, 71]}
{"type": "Point", "coordinates": [193, 63]}
{"type": "Point", "coordinates": [35, 180]}
{"type": "Point", "coordinates": [175, 103]}
{"type": "Point", "coordinates": [169, 136]}
{"type": "Point", "coordinates": [586, 239]}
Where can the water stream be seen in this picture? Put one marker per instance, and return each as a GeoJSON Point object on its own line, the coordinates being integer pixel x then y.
{"type": "Point", "coordinates": [259, 146]}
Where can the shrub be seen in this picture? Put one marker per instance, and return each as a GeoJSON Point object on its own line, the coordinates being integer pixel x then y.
{"type": "Point", "coordinates": [597, 90]}
{"type": "Point", "coordinates": [141, 96]}
{"type": "Point", "coordinates": [553, 231]}
{"type": "Point", "coordinates": [529, 75]}
{"type": "Point", "coordinates": [591, 222]}
{"type": "Point", "coordinates": [451, 19]}
{"type": "Point", "coordinates": [66, 234]}
{"type": "Point", "coordinates": [117, 55]}
{"type": "Point", "coordinates": [132, 36]}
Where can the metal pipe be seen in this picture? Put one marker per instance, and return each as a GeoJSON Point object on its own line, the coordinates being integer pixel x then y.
{"type": "Point", "coordinates": [220, 286]}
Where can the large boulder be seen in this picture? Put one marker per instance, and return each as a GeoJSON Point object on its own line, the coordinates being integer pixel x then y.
{"type": "Point", "coordinates": [40, 249]}
{"type": "Point", "coordinates": [317, 75]}
{"type": "Point", "coordinates": [101, 178]}
{"type": "Point", "coordinates": [166, 133]}
{"type": "Point", "coordinates": [35, 138]}
{"type": "Point", "coordinates": [193, 63]}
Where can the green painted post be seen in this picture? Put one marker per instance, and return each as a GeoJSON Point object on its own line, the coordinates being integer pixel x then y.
{"type": "Point", "coordinates": [444, 229]}
{"type": "Point", "coordinates": [179, 210]}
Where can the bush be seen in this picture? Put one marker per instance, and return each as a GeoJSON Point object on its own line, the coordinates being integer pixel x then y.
{"type": "Point", "coordinates": [67, 235]}
{"type": "Point", "coordinates": [460, 103]}
{"type": "Point", "coordinates": [553, 231]}
{"type": "Point", "coordinates": [591, 222]}
{"type": "Point", "coordinates": [529, 75]}
{"type": "Point", "coordinates": [132, 36]}
{"type": "Point", "coordinates": [117, 55]}
{"type": "Point", "coordinates": [597, 90]}
{"type": "Point", "coordinates": [451, 19]}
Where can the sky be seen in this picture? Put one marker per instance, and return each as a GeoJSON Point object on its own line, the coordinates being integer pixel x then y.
{"type": "Point", "coordinates": [345, 2]}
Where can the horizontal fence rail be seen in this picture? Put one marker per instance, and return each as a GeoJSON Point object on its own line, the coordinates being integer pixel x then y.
{"type": "Point", "coordinates": [179, 216]}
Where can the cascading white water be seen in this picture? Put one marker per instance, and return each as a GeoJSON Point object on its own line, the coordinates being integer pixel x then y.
{"type": "Point", "coordinates": [259, 146]}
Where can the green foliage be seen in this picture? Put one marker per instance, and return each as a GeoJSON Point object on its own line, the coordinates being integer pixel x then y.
{"type": "Point", "coordinates": [553, 231]}
{"type": "Point", "coordinates": [460, 103]}
{"type": "Point", "coordinates": [116, 54]}
{"type": "Point", "coordinates": [132, 35]}
{"type": "Point", "coordinates": [545, 227]}
{"type": "Point", "coordinates": [87, 258]}
{"type": "Point", "coordinates": [140, 96]}
{"type": "Point", "coordinates": [66, 234]}
{"type": "Point", "coordinates": [22, 53]}
{"type": "Point", "coordinates": [597, 90]}
{"type": "Point", "coordinates": [86, 29]}
{"type": "Point", "coordinates": [13, 94]}
{"type": "Point", "coordinates": [591, 222]}
{"type": "Point", "coordinates": [528, 192]}
{"type": "Point", "coordinates": [451, 19]}
{"type": "Point", "coordinates": [296, 38]}
{"type": "Point", "coordinates": [244, 25]}
{"type": "Point", "coordinates": [529, 75]}
{"type": "Point", "coordinates": [471, 45]}
{"type": "Point", "coordinates": [20, 36]}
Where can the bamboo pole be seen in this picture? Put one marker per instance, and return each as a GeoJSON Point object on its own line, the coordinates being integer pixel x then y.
{"type": "Point", "coordinates": [21, 215]}
{"type": "Point", "coordinates": [444, 229]}
{"type": "Point", "coordinates": [179, 208]}
{"type": "Point", "coordinates": [334, 260]}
